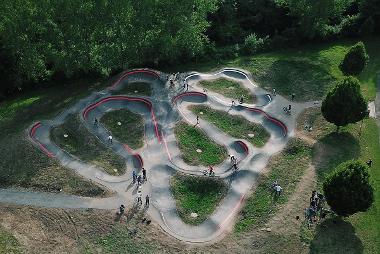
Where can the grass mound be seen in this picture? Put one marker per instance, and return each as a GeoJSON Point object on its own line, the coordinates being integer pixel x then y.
{"type": "Point", "coordinates": [229, 89]}
{"type": "Point", "coordinates": [197, 195]}
{"type": "Point", "coordinates": [136, 88]}
{"type": "Point", "coordinates": [131, 130]}
{"type": "Point", "coordinates": [190, 139]}
{"type": "Point", "coordinates": [235, 126]}
{"type": "Point", "coordinates": [262, 204]}
{"type": "Point", "coordinates": [86, 147]}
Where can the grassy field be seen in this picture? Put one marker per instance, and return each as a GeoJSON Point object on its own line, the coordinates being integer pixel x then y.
{"type": "Point", "coordinates": [35, 170]}
{"type": "Point", "coordinates": [131, 130]}
{"type": "Point", "coordinates": [8, 243]}
{"type": "Point", "coordinates": [308, 71]}
{"type": "Point", "coordinates": [190, 139]}
{"type": "Point", "coordinates": [86, 147]}
{"type": "Point", "coordinates": [229, 89]}
{"type": "Point", "coordinates": [235, 126]}
{"type": "Point", "coordinates": [194, 194]}
{"type": "Point", "coordinates": [262, 204]}
{"type": "Point", "coordinates": [136, 88]}
{"type": "Point", "coordinates": [335, 148]}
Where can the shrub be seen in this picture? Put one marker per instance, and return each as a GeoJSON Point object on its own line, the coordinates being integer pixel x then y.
{"type": "Point", "coordinates": [344, 104]}
{"type": "Point", "coordinates": [348, 189]}
{"type": "Point", "coordinates": [355, 60]}
{"type": "Point", "coordinates": [253, 44]}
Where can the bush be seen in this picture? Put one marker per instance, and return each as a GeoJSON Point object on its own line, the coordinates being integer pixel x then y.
{"type": "Point", "coordinates": [355, 60]}
{"type": "Point", "coordinates": [348, 189]}
{"type": "Point", "coordinates": [253, 44]}
{"type": "Point", "coordinates": [344, 104]}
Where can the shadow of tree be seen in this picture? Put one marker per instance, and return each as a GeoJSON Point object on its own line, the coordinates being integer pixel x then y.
{"type": "Point", "coordinates": [332, 150]}
{"type": "Point", "coordinates": [335, 235]}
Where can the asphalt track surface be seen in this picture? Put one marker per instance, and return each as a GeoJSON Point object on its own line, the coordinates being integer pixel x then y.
{"type": "Point", "coordinates": [160, 154]}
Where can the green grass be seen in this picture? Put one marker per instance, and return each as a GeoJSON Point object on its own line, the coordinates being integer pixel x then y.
{"type": "Point", "coordinates": [334, 148]}
{"type": "Point", "coordinates": [8, 243]}
{"type": "Point", "coordinates": [194, 194]}
{"type": "Point", "coordinates": [190, 139]}
{"type": "Point", "coordinates": [235, 126]}
{"type": "Point", "coordinates": [136, 88]}
{"type": "Point", "coordinates": [308, 71]}
{"type": "Point", "coordinates": [86, 147]}
{"type": "Point", "coordinates": [286, 167]}
{"type": "Point", "coordinates": [229, 89]}
{"type": "Point", "coordinates": [131, 130]}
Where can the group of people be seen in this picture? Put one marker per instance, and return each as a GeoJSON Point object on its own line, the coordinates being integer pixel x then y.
{"type": "Point", "coordinates": [141, 178]}
{"type": "Point", "coordinates": [175, 77]}
{"type": "Point", "coordinates": [316, 201]}
{"type": "Point", "coordinates": [241, 101]}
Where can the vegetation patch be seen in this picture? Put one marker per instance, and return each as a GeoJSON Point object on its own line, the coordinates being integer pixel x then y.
{"type": "Point", "coordinates": [355, 141]}
{"type": "Point", "coordinates": [126, 126]}
{"type": "Point", "coordinates": [287, 168]}
{"type": "Point", "coordinates": [190, 139]}
{"type": "Point", "coordinates": [8, 243]}
{"type": "Point", "coordinates": [194, 194]}
{"type": "Point", "coordinates": [135, 88]}
{"type": "Point", "coordinates": [228, 88]}
{"type": "Point", "coordinates": [235, 126]}
{"type": "Point", "coordinates": [79, 142]}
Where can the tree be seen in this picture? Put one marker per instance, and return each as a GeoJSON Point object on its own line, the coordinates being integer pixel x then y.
{"type": "Point", "coordinates": [355, 60]}
{"type": "Point", "coordinates": [344, 104]}
{"type": "Point", "coordinates": [348, 189]}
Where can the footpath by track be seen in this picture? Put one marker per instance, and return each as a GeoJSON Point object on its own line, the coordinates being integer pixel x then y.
{"type": "Point", "coordinates": [161, 155]}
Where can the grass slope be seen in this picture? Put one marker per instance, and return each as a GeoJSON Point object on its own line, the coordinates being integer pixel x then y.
{"type": "Point", "coordinates": [235, 126]}
{"type": "Point", "coordinates": [335, 148]}
{"type": "Point", "coordinates": [85, 146]}
{"type": "Point", "coordinates": [190, 139]}
{"type": "Point", "coordinates": [131, 130]}
{"type": "Point", "coordinates": [8, 243]}
{"type": "Point", "coordinates": [135, 88]}
{"type": "Point", "coordinates": [228, 88]}
{"type": "Point", "coordinates": [197, 194]}
{"type": "Point", "coordinates": [262, 204]}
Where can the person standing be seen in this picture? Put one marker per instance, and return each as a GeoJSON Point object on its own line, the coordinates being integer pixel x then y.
{"type": "Point", "coordinates": [139, 180]}
{"type": "Point", "coordinates": [241, 99]}
{"type": "Point", "coordinates": [110, 138]}
{"type": "Point", "coordinates": [139, 195]}
{"type": "Point", "coordinates": [293, 95]}
{"type": "Point", "coordinates": [144, 174]}
{"type": "Point", "coordinates": [147, 200]}
{"type": "Point", "coordinates": [134, 176]}
{"type": "Point", "coordinates": [95, 122]}
{"type": "Point", "coordinates": [197, 120]}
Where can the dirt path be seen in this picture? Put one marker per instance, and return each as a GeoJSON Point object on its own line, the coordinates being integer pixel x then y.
{"type": "Point", "coordinates": [284, 221]}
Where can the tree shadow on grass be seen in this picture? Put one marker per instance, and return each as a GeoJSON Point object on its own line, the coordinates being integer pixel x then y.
{"type": "Point", "coordinates": [332, 150]}
{"type": "Point", "coordinates": [335, 235]}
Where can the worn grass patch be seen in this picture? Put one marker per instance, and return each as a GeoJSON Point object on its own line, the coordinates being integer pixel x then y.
{"type": "Point", "coordinates": [229, 89]}
{"type": "Point", "coordinates": [8, 243]}
{"type": "Point", "coordinates": [131, 130]}
{"type": "Point", "coordinates": [286, 167]}
{"type": "Point", "coordinates": [235, 126]}
{"type": "Point", "coordinates": [194, 194]}
{"type": "Point", "coordinates": [190, 139]}
{"type": "Point", "coordinates": [86, 147]}
{"type": "Point", "coordinates": [355, 141]}
{"type": "Point", "coordinates": [135, 88]}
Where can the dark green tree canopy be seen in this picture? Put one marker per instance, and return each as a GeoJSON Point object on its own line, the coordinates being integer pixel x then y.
{"type": "Point", "coordinates": [348, 189]}
{"type": "Point", "coordinates": [355, 60]}
{"type": "Point", "coordinates": [344, 104]}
